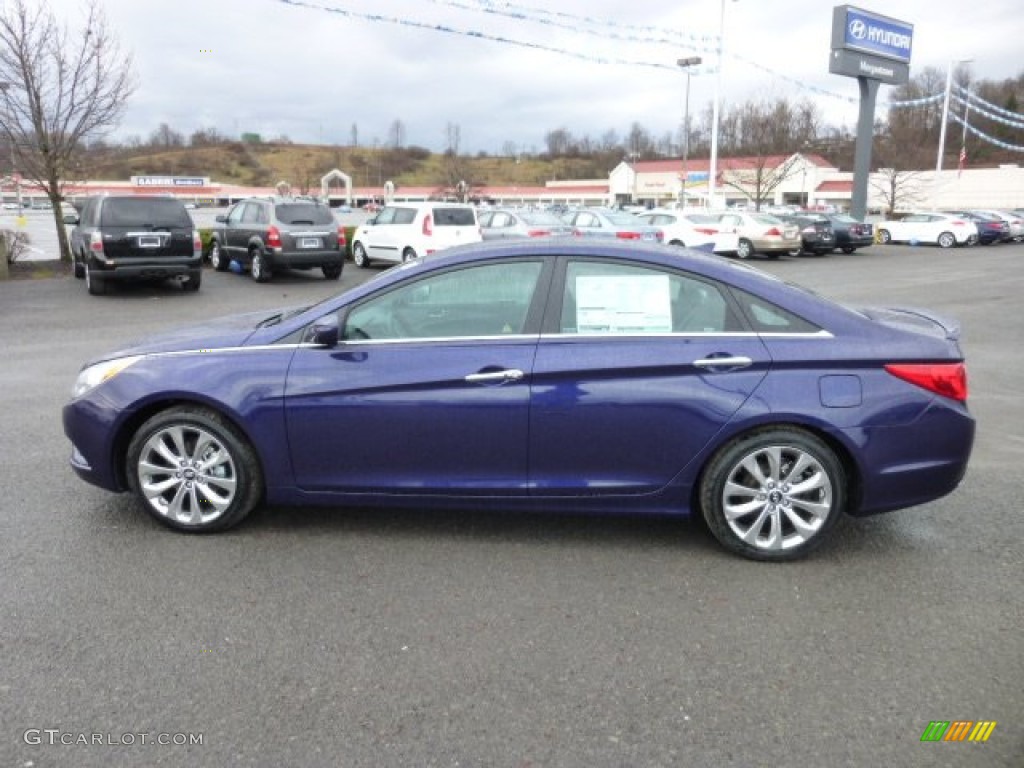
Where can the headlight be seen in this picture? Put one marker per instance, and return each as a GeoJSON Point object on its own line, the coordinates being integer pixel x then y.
{"type": "Point", "coordinates": [95, 375]}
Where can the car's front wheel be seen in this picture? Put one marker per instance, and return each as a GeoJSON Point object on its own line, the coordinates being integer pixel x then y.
{"type": "Point", "coordinates": [359, 256]}
{"type": "Point", "coordinates": [193, 470]}
{"type": "Point", "coordinates": [884, 237]}
{"type": "Point", "coordinates": [773, 494]}
{"type": "Point", "coordinates": [848, 249]}
{"type": "Point", "coordinates": [217, 258]}
{"type": "Point", "coordinates": [946, 240]}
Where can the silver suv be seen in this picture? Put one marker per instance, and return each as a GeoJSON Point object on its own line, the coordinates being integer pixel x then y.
{"type": "Point", "coordinates": [403, 231]}
{"type": "Point", "coordinates": [265, 234]}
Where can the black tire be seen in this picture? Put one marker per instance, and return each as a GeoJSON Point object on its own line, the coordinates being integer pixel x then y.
{"type": "Point", "coordinates": [848, 249]}
{"type": "Point", "coordinates": [218, 260]}
{"type": "Point", "coordinates": [884, 237]}
{"type": "Point", "coordinates": [359, 256]}
{"type": "Point", "coordinates": [408, 255]}
{"type": "Point", "coordinates": [678, 243]}
{"type": "Point", "coordinates": [331, 271]}
{"type": "Point", "coordinates": [744, 248]}
{"type": "Point", "coordinates": [258, 267]}
{"type": "Point", "coordinates": [97, 286]}
{"type": "Point", "coordinates": [223, 468]}
{"type": "Point", "coordinates": [193, 281]}
{"type": "Point", "coordinates": [77, 266]}
{"type": "Point", "coordinates": [816, 508]}
{"type": "Point", "coordinates": [946, 240]}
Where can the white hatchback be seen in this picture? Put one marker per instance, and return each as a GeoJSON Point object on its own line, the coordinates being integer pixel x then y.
{"type": "Point", "coordinates": [404, 231]}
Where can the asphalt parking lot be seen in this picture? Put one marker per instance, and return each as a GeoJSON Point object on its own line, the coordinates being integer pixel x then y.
{"type": "Point", "coordinates": [404, 638]}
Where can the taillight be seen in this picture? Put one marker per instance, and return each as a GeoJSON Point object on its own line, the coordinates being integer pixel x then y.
{"type": "Point", "coordinates": [341, 238]}
{"type": "Point", "coordinates": [946, 379]}
{"type": "Point", "coordinates": [197, 242]}
{"type": "Point", "coordinates": [428, 225]}
{"type": "Point", "coordinates": [538, 232]}
{"type": "Point", "coordinates": [809, 230]}
{"type": "Point", "coordinates": [773, 232]}
{"type": "Point", "coordinates": [96, 243]}
{"type": "Point", "coordinates": [628, 235]}
{"type": "Point", "coordinates": [274, 237]}
{"type": "Point", "coordinates": [576, 232]}
{"type": "Point", "coordinates": [659, 236]}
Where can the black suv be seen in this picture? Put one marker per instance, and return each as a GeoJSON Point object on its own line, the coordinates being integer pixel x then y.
{"type": "Point", "coordinates": [135, 238]}
{"type": "Point", "coordinates": [265, 234]}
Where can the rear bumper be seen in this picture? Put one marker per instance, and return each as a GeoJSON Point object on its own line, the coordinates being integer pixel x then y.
{"type": "Point", "coordinates": [144, 269]}
{"type": "Point", "coordinates": [306, 259]}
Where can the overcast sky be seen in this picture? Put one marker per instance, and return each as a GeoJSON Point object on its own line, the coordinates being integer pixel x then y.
{"type": "Point", "coordinates": [305, 69]}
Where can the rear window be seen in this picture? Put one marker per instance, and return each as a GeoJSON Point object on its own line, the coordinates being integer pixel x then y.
{"type": "Point", "coordinates": [303, 213]}
{"type": "Point", "coordinates": [144, 212]}
{"type": "Point", "coordinates": [454, 217]}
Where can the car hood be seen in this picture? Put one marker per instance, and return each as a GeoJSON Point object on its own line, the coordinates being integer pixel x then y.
{"type": "Point", "coordinates": [218, 333]}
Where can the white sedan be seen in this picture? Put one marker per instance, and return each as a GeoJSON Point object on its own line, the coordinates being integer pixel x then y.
{"type": "Point", "coordinates": [691, 230]}
{"type": "Point", "coordinates": [942, 229]}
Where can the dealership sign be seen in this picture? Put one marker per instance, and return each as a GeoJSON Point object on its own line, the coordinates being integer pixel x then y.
{"type": "Point", "coordinates": [170, 181]}
{"type": "Point", "coordinates": [865, 44]}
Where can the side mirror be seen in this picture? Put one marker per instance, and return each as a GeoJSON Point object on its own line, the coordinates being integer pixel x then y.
{"type": "Point", "coordinates": [324, 332]}
{"type": "Point", "coordinates": [221, 218]}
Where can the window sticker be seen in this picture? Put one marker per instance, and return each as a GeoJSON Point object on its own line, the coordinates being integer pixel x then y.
{"type": "Point", "coordinates": [623, 304]}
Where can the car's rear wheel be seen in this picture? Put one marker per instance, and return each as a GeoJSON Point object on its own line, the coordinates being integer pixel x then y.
{"type": "Point", "coordinates": [884, 237]}
{"type": "Point", "coordinates": [359, 256]}
{"type": "Point", "coordinates": [678, 243]}
{"type": "Point", "coordinates": [332, 271]}
{"type": "Point", "coordinates": [217, 259]}
{"type": "Point", "coordinates": [97, 286]}
{"type": "Point", "coordinates": [193, 281]}
{"type": "Point", "coordinates": [946, 240]}
{"type": "Point", "coordinates": [848, 249]}
{"type": "Point", "coordinates": [258, 267]}
{"type": "Point", "coordinates": [773, 494]}
{"type": "Point", "coordinates": [408, 254]}
{"type": "Point", "coordinates": [744, 248]}
{"type": "Point", "coordinates": [193, 470]}
{"type": "Point", "coordinates": [77, 266]}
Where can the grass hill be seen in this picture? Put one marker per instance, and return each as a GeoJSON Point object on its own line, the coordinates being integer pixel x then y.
{"type": "Point", "coordinates": [302, 165]}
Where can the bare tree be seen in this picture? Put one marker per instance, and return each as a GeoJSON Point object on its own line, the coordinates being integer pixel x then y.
{"type": "Point", "coordinates": [60, 88]}
{"type": "Point", "coordinates": [396, 135]}
{"type": "Point", "coordinates": [166, 137]}
{"type": "Point", "coordinates": [758, 177]}
{"type": "Point", "coordinates": [898, 189]}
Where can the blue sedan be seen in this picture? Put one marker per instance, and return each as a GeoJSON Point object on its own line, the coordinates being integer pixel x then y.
{"type": "Point", "coordinates": [545, 374]}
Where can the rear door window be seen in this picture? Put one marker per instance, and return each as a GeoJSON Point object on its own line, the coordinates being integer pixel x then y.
{"type": "Point", "coordinates": [303, 213]}
{"type": "Point", "coordinates": [144, 212]}
{"type": "Point", "coordinates": [454, 217]}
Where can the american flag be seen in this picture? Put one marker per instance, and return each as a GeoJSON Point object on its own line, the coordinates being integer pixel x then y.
{"type": "Point", "coordinates": [963, 160]}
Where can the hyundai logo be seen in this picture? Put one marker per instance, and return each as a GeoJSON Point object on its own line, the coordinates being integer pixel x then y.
{"type": "Point", "coordinates": [858, 29]}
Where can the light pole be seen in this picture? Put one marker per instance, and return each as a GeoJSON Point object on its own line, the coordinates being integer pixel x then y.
{"type": "Point", "coordinates": [713, 169]}
{"type": "Point", "coordinates": [690, 61]}
{"type": "Point", "coordinates": [945, 113]}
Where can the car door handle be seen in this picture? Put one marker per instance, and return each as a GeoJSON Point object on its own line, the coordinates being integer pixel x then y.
{"type": "Point", "coordinates": [509, 374]}
{"type": "Point", "coordinates": [731, 363]}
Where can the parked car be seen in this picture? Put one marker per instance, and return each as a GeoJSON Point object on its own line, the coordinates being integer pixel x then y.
{"type": "Point", "coordinates": [133, 237]}
{"type": "Point", "coordinates": [850, 234]}
{"type": "Point", "coordinates": [1014, 223]}
{"type": "Point", "coordinates": [610, 224]}
{"type": "Point", "coordinates": [404, 231]}
{"type": "Point", "coordinates": [941, 229]}
{"type": "Point", "coordinates": [274, 233]}
{"type": "Point", "coordinates": [503, 223]}
{"type": "Point", "coordinates": [683, 231]}
{"type": "Point", "coordinates": [558, 374]}
{"type": "Point", "coordinates": [760, 233]}
{"type": "Point", "coordinates": [816, 235]}
{"type": "Point", "coordinates": [991, 228]}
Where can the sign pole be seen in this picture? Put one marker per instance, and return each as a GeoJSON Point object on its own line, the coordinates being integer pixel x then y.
{"type": "Point", "coordinates": [862, 153]}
